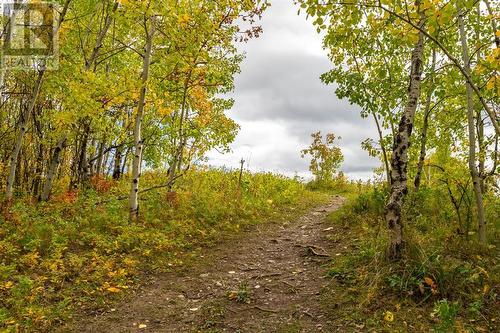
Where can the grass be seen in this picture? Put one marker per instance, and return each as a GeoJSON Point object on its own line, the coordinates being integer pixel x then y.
{"type": "Point", "coordinates": [446, 282]}
{"type": "Point", "coordinates": [80, 253]}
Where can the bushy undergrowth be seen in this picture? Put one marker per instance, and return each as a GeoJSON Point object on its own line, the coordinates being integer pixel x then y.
{"type": "Point", "coordinates": [80, 251]}
{"type": "Point", "coordinates": [445, 282]}
{"type": "Point", "coordinates": [339, 184]}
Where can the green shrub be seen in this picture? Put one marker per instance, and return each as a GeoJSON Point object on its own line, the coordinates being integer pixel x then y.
{"type": "Point", "coordinates": [447, 313]}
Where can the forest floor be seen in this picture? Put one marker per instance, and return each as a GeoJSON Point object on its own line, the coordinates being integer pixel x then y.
{"type": "Point", "coordinates": [268, 279]}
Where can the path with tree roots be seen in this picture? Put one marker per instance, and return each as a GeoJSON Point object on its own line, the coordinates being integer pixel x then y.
{"type": "Point", "coordinates": [266, 280]}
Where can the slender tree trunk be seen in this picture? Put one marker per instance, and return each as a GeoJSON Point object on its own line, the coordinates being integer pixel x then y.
{"type": "Point", "coordinates": [23, 127]}
{"type": "Point", "coordinates": [38, 171]}
{"type": "Point", "coordinates": [86, 168]}
{"type": "Point", "coordinates": [117, 169]}
{"type": "Point", "coordinates": [472, 133]}
{"type": "Point", "coordinates": [399, 163]}
{"type": "Point", "coordinates": [425, 127]}
{"type": "Point", "coordinates": [138, 142]}
{"type": "Point", "coordinates": [384, 151]}
{"type": "Point", "coordinates": [100, 38]}
{"type": "Point", "coordinates": [24, 176]}
{"type": "Point", "coordinates": [100, 157]}
{"type": "Point", "coordinates": [177, 162]}
{"type": "Point", "coordinates": [54, 163]}
{"type": "Point", "coordinates": [125, 160]}
{"type": "Point", "coordinates": [109, 166]}
{"type": "Point", "coordinates": [105, 159]}
{"type": "Point", "coordinates": [479, 117]}
{"type": "Point", "coordinates": [482, 151]}
{"type": "Point", "coordinates": [83, 167]}
{"type": "Point", "coordinates": [74, 165]}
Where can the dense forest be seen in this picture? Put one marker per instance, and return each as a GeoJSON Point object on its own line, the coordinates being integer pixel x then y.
{"type": "Point", "coordinates": [103, 177]}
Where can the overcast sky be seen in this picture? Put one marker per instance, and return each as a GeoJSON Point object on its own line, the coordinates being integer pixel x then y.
{"type": "Point", "coordinates": [280, 101]}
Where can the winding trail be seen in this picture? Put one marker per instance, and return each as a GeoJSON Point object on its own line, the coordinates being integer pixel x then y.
{"type": "Point", "coordinates": [277, 272]}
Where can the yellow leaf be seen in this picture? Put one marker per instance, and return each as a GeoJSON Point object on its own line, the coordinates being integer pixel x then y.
{"type": "Point", "coordinates": [482, 270]}
{"type": "Point", "coordinates": [486, 289]}
{"type": "Point", "coordinates": [113, 290]}
{"type": "Point", "coordinates": [232, 295]}
{"type": "Point", "coordinates": [426, 5]}
{"type": "Point", "coordinates": [165, 111]}
{"type": "Point", "coordinates": [389, 316]}
{"type": "Point", "coordinates": [497, 33]}
{"type": "Point", "coordinates": [184, 19]}
{"type": "Point", "coordinates": [491, 83]}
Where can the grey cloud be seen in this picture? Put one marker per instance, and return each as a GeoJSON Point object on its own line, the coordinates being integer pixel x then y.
{"type": "Point", "coordinates": [280, 101]}
{"type": "Point", "coordinates": [289, 88]}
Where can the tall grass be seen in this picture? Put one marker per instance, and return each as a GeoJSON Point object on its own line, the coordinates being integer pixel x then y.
{"type": "Point", "coordinates": [443, 267]}
{"type": "Point", "coordinates": [79, 251]}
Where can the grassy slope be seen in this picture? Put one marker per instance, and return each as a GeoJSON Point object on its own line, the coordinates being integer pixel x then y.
{"type": "Point", "coordinates": [73, 254]}
{"type": "Point", "coordinates": [444, 283]}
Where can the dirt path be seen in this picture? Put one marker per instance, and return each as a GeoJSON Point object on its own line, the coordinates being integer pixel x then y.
{"type": "Point", "coordinates": [268, 280]}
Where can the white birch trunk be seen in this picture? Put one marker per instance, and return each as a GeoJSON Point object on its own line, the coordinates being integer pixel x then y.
{"type": "Point", "coordinates": [472, 132]}
{"type": "Point", "coordinates": [138, 142]}
{"type": "Point", "coordinates": [399, 163]}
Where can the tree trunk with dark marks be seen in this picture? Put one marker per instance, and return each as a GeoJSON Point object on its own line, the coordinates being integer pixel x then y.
{"type": "Point", "coordinates": [51, 174]}
{"type": "Point", "coordinates": [138, 142]}
{"type": "Point", "coordinates": [117, 170]}
{"type": "Point", "coordinates": [425, 127]}
{"type": "Point", "coordinates": [399, 163]}
{"type": "Point", "coordinates": [38, 171]}
{"type": "Point", "coordinates": [476, 179]}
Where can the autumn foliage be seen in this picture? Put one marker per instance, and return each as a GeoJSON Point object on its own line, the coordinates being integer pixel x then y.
{"type": "Point", "coordinates": [78, 252]}
{"type": "Point", "coordinates": [326, 157]}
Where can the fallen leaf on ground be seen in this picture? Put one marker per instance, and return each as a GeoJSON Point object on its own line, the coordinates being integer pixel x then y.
{"type": "Point", "coordinates": [113, 290]}
{"type": "Point", "coordinates": [389, 316]}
